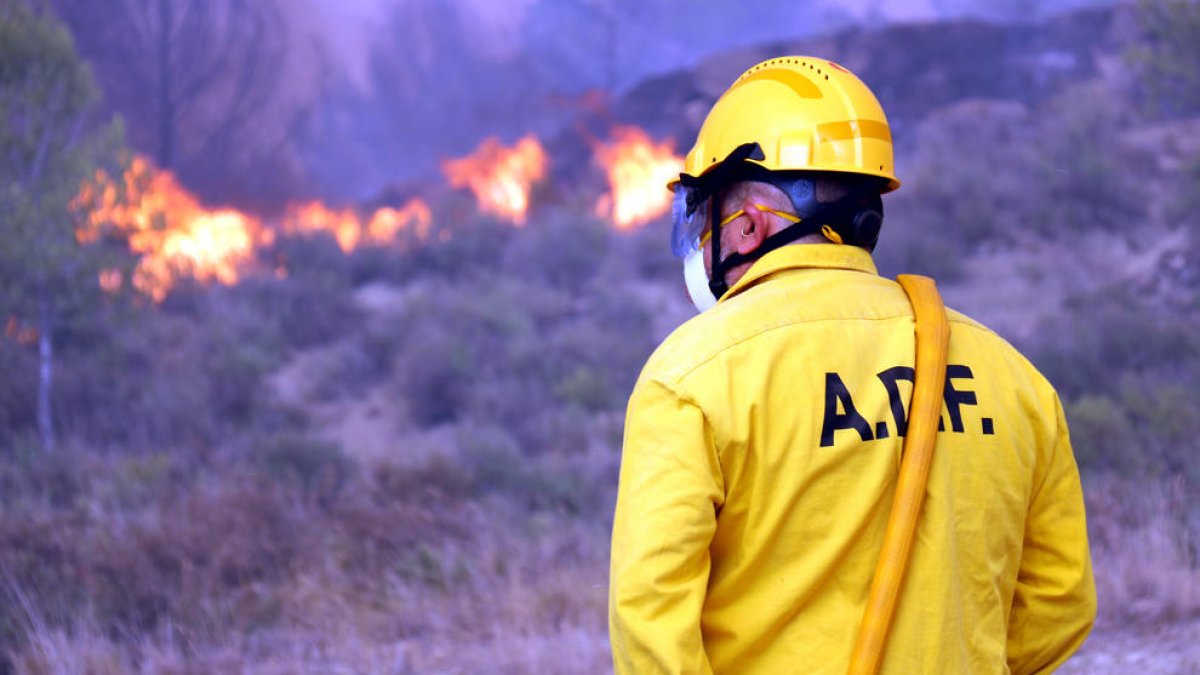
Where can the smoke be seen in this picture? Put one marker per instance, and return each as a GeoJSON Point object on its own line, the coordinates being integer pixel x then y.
{"type": "Point", "coordinates": [376, 92]}
{"type": "Point", "coordinates": [654, 35]}
{"type": "Point", "coordinates": [347, 29]}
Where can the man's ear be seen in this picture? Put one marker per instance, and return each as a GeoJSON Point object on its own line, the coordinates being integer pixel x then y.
{"type": "Point", "coordinates": [755, 227]}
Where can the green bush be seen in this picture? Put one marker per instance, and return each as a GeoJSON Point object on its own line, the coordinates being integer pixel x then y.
{"type": "Point", "coordinates": [318, 468]}
{"type": "Point", "coordinates": [1082, 185]}
{"type": "Point", "coordinates": [518, 354]}
{"type": "Point", "coordinates": [1101, 336]}
{"type": "Point", "coordinates": [977, 196]}
{"type": "Point", "coordinates": [1029, 174]}
{"type": "Point", "coordinates": [1167, 424]}
{"type": "Point", "coordinates": [1102, 436]}
{"type": "Point", "coordinates": [473, 350]}
{"type": "Point", "coordinates": [497, 465]}
{"type": "Point", "coordinates": [563, 252]}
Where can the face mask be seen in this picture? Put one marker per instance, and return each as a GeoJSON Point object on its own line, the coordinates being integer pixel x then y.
{"type": "Point", "coordinates": [697, 281]}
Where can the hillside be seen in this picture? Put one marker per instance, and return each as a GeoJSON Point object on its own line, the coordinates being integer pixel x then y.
{"type": "Point", "coordinates": [914, 69]}
{"type": "Point", "coordinates": [373, 454]}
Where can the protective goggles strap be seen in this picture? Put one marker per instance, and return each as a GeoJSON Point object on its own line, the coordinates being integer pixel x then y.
{"type": "Point", "coordinates": [741, 212]}
{"type": "Point", "coordinates": [803, 227]}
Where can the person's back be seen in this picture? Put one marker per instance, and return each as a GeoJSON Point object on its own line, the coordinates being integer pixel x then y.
{"type": "Point", "coordinates": [764, 437]}
{"type": "Point", "coordinates": [802, 483]}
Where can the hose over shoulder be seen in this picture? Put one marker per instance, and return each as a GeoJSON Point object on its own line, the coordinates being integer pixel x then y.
{"type": "Point", "coordinates": [933, 343]}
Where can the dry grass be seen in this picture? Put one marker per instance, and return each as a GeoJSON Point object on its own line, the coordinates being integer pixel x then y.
{"type": "Point", "coordinates": [403, 571]}
{"type": "Point", "coordinates": [1145, 536]}
{"type": "Point", "coordinates": [390, 587]}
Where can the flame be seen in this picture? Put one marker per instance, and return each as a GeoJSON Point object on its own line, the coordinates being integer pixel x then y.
{"type": "Point", "coordinates": [22, 335]}
{"type": "Point", "coordinates": [175, 236]}
{"type": "Point", "coordinates": [111, 280]}
{"type": "Point", "coordinates": [501, 177]}
{"type": "Point", "coordinates": [166, 225]}
{"type": "Point", "coordinates": [637, 168]}
{"type": "Point", "coordinates": [312, 217]}
{"type": "Point", "coordinates": [382, 228]}
{"type": "Point", "coordinates": [387, 223]}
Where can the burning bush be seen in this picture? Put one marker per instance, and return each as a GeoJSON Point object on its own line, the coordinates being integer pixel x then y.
{"type": "Point", "coordinates": [499, 176]}
{"type": "Point", "coordinates": [638, 171]}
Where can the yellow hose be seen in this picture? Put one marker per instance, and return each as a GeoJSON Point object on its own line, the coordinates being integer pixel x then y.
{"type": "Point", "coordinates": [933, 343]}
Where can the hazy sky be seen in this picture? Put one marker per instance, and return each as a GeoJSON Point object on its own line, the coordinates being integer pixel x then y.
{"type": "Point", "coordinates": [345, 26]}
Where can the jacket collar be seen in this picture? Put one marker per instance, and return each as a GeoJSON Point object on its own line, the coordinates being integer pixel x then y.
{"type": "Point", "coordinates": [799, 256]}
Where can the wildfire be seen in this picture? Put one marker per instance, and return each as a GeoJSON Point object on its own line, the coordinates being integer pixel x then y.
{"type": "Point", "coordinates": [20, 333]}
{"type": "Point", "coordinates": [174, 235]}
{"type": "Point", "coordinates": [168, 228]}
{"type": "Point", "coordinates": [350, 230]}
{"type": "Point", "coordinates": [638, 169]}
{"type": "Point", "coordinates": [501, 177]}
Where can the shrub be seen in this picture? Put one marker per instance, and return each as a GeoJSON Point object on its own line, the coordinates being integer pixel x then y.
{"type": "Point", "coordinates": [317, 468]}
{"type": "Point", "coordinates": [647, 251]}
{"type": "Point", "coordinates": [497, 465]}
{"type": "Point", "coordinates": [1101, 336]}
{"type": "Point", "coordinates": [1167, 423]}
{"type": "Point", "coordinates": [19, 365]}
{"type": "Point", "coordinates": [473, 245]}
{"type": "Point", "coordinates": [456, 347]}
{"type": "Point", "coordinates": [1080, 185]}
{"type": "Point", "coordinates": [562, 252]}
{"type": "Point", "coordinates": [313, 305]}
{"type": "Point", "coordinates": [972, 197]}
{"type": "Point", "coordinates": [1102, 436]}
{"type": "Point", "coordinates": [1030, 175]}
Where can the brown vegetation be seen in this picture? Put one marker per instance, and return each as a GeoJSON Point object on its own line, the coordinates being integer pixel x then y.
{"type": "Point", "coordinates": [405, 460]}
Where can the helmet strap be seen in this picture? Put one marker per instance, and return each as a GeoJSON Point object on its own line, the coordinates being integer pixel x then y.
{"type": "Point", "coordinates": [716, 282]}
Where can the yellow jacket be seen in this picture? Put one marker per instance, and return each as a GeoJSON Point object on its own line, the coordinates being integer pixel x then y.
{"type": "Point", "coordinates": [762, 446]}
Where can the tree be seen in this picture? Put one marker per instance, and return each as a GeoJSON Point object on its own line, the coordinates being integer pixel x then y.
{"type": "Point", "coordinates": [193, 78]}
{"type": "Point", "coordinates": [1169, 53]}
{"type": "Point", "coordinates": [1168, 56]}
{"type": "Point", "coordinates": [439, 90]}
{"type": "Point", "coordinates": [50, 139]}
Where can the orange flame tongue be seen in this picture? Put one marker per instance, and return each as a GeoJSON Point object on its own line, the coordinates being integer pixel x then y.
{"type": "Point", "coordinates": [166, 225]}
{"type": "Point", "coordinates": [638, 169]}
{"type": "Point", "coordinates": [383, 227]}
{"type": "Point", "coordinates": [314, 216]}
{"type": "Point", "coordinates": [387, 223]}
{"type": "Point", "coordinates": [175, 236]}
{"type": "Point", "coordinates": [501, 177]}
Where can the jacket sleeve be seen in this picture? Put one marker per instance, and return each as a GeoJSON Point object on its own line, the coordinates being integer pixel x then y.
{"type": "Point", "coordinates": [670, 489]}
{"type": "Point", "coordinates": [1054, 603]}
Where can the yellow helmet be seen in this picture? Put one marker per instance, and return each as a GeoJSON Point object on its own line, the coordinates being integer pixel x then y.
{"type": "Point", "coordinates": [804, 113]}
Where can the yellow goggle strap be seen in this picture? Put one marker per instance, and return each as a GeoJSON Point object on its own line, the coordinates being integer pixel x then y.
{"type": "Point", "coordinates": [741, 212]}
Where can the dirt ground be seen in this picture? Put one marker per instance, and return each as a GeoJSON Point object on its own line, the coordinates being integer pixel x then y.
{"type": "Point", "coordinates": [1144, 650]}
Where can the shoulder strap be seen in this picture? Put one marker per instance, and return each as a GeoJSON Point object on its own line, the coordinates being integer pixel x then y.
{"type": "Point", "coordinates": [933, 343]}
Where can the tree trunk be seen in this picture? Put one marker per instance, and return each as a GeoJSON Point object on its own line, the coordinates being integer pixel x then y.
{"type": "Point", "coordinates": [45, 416]}
{"type": "Point", "coordinates": [166, 95]}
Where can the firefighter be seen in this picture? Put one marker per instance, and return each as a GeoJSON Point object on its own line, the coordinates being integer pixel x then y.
{"type": "Point", "coordinates": [763, 437]}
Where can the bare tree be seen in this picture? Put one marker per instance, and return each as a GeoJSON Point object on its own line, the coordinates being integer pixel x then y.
{"type": "Point", "coordinates": [191, 77]}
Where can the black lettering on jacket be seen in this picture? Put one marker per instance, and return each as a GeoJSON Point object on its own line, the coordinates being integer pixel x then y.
{"type": "Point", "coordinates": [889, 378]}
{"type": "Point", "coordinates": [955, 397]}
{"type": "Point", "coordinates": [837, 398]}
{"type": "Point", "coordinates": [835, 393]}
